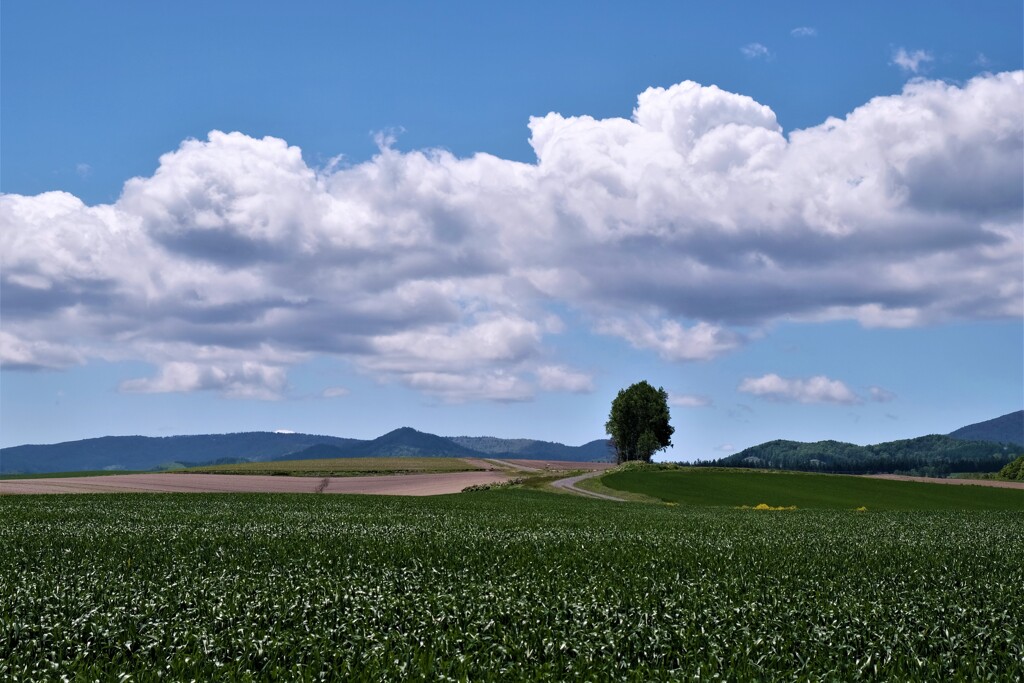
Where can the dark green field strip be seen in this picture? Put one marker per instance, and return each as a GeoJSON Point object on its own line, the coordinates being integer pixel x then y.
{"type": "Point", "coordinates": [341, 467]}
{"type": "Point", "coordinates": [736, 488]}
{"type": "Point", "coordinates": [501, 585]}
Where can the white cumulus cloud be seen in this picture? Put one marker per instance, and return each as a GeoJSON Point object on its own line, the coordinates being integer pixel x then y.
{"type": "Point", "coordinates": [818, 389]}
{"type": "Point", "coordinates": [245, 380]}
{"type": "Point", "coordinates": [678, 229]}
{"type": "Point", "coordinates": [671, 340]}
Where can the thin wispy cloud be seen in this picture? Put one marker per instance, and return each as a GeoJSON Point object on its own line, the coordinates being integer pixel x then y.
{"type": "Point", "coordinates": [880, 395]}
{"type": "Point", "coordinates": [911, 61]}
{"type": "Point", "coordinates": [755, 51]}
{"type": "Point", "coordinates": [690, 400]}
{"type": "Point", "coordinates": [804, 32]}
{"type": "Point", "coordinates": [561, 378]}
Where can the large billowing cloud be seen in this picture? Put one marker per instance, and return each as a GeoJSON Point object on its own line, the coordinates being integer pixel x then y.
{"type": "Point", "coordinates": [677, 230]}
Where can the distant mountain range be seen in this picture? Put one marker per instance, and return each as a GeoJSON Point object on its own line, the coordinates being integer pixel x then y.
{"type": "Point", "coordinates": [148, 453]}
{"type": "Point", "coordinates": [982, 447]}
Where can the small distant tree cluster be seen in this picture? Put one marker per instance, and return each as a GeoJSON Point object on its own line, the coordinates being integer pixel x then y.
{"type": "Point", "coordinates": [1013, 471]}
{"type": "Point", "coordinates": [639, 423]}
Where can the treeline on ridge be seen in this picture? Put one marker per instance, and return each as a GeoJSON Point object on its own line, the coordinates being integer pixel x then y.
{"type": "Point", "coordinates": [932, 456]}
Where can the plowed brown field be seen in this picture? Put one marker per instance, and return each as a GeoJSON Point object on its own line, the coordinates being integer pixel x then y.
{"type": "Point", "coordinates": [390, 485]}
{"type": "Point", "coordinates": [955, 482]}
{"type": "Point", "coordinates": [559, 464]}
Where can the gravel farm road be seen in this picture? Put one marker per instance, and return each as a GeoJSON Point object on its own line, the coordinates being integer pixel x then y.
{"type": "Point", "coordinates": [569, 484]}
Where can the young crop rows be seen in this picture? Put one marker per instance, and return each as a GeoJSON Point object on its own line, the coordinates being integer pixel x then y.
{"type": "Point", "coordinates": [501, 585]}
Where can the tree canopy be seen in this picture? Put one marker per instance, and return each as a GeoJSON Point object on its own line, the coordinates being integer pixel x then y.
{"type": "Point", "coordinates": [1014, 471]}
{"type": "Point", "coordinates": [639, 422]}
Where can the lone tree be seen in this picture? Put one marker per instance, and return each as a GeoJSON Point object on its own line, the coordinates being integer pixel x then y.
{"type": "Point", "coordinates": [638, 423]}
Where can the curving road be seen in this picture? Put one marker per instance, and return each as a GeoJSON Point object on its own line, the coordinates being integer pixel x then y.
{"type": "Point", "coordinates": [569, 484]}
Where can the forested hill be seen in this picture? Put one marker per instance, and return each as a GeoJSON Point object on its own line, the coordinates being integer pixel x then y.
{"type": "Point", "coordinates": [404, 442]}
{"type": "Point", "coordinates": [495, 447]}
{"type": "Point", "coordinates": [933, 455]}
{"type": "Point", "coordinates": [1006, 429]}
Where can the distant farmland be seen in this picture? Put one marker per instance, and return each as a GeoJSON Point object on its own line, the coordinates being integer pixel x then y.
{"type": "Point", "coordinates": [342, 467]}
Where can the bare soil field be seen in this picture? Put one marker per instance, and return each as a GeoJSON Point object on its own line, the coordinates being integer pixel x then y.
{"type": "Point", "coordinates": [346, 467]}
{"type": "Point", "coordinates": [391, 485]}
{"type": "Point", "coordinates": [955, 482]}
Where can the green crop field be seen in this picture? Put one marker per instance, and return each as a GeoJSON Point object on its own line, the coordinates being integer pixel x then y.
{"type": "Point", "coordinates": [501, 585]}
{"type": "Point", "coordinates": [340, 467]}
{"type": "Point", "coordinates": [735, 488]}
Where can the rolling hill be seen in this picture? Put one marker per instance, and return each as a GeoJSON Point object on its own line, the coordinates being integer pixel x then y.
{"type": "Point", "coordinates": [403, 442]}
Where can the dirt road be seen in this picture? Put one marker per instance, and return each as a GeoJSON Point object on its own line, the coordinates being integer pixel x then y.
{"type": "Point", "coordinates": [569, 484]}
{"type": "Point", "coordinates": [391, 485]}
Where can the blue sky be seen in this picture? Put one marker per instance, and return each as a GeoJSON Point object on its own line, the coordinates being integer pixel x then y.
{"type": "Point", "coordinates": [804, 220]}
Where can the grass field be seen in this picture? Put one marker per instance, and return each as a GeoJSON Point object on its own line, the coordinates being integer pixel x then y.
{"type": "Point", "coordinates": [501, 585]}
{"type": "Point", "coordinates": [341, 467]}
{"type": "Point", "coordinates": [735, 488]}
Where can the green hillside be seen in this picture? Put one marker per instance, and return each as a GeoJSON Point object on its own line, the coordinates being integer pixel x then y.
{"type": "Point", "coordinates": [736, 488]}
